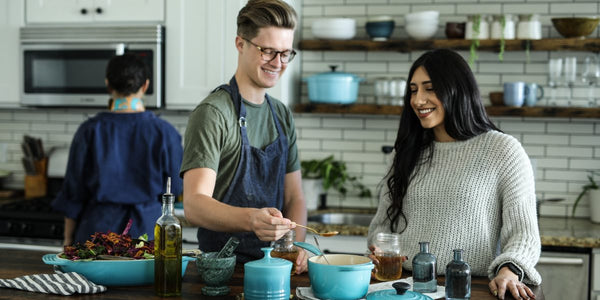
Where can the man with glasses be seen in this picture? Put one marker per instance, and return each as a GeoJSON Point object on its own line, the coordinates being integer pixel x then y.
{"type": "Point", "coordinates": [240, 168]}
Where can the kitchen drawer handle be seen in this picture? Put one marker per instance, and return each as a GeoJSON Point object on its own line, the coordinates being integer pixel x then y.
{"type": "Point", "coordinates": [560, 261]}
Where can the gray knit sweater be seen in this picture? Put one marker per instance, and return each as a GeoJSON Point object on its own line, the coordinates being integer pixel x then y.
{"type": "Point", "coordinates": [477, 195]}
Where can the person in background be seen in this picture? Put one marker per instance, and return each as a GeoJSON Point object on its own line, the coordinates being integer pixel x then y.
{"type": "Point", "coordinates": [240, 167]}
{"type": "Point", "coordinates": [119, 161]}
{"type": "Point", "coordinates": [458, 182]}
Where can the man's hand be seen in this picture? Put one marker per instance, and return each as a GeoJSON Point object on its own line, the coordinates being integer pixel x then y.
{"type": "Point", "coordinates": [269, 224]}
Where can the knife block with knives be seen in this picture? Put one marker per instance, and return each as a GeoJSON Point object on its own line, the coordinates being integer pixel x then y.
{"type": "Point", "coordinates": [35, 163]}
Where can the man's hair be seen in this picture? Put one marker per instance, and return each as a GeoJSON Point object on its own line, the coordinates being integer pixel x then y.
{"type": "Point", "coordinates": [126, 74]}
{"type": "Point", "coordinates": [259, 14]}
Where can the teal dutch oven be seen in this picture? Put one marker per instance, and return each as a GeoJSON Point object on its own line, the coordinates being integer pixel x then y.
{"type": "Point", "coordinates": [333, 87]}
{"type": "Point", "coordinates": [345, 277]}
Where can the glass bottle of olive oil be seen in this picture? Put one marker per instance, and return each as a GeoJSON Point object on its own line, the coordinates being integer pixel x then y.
{"type": "Point", "coordinates": [167, 249]}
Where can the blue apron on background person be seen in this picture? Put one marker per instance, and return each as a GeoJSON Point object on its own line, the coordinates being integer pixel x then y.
{"type": "Point", "coordinates": [258, 182]}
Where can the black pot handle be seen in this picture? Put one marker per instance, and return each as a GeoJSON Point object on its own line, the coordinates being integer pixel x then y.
{"type": "Point", "coordinates": [333, 67]}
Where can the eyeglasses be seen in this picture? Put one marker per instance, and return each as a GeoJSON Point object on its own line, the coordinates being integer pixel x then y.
{"type": "Point", "coordinates": [269, 54]}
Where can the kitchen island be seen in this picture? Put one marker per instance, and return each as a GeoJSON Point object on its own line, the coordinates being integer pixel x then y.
{"type": "Point", "coordinates": [14, 263]}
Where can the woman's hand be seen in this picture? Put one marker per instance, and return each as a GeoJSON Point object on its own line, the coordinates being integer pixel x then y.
{"type": "Point", "coordinates": [372, 256]}
{"type": "Point", "coordinates": [507, 281]}
{"type": "Point", "coordinates": [302, 262]}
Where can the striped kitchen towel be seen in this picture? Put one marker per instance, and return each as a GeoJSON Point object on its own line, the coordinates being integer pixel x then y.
{"type": "Point", "coordinates": [62, 284]}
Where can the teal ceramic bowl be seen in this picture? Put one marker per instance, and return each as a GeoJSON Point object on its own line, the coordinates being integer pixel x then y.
{"type": "Point", "coordinates": [112, 272]}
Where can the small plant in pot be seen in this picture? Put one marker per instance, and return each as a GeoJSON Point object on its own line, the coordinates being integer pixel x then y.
{"type": "Point", "coordinates": [332, 174]}
{"type": "Point", "coordinates": [592, 188]}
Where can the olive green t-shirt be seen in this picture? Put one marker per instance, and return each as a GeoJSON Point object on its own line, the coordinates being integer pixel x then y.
{"type": "Point", "coordinates": [213, 139]}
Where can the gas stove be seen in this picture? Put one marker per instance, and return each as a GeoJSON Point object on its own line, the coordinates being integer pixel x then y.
{"type": "Point", "coordinates": [30, 218]}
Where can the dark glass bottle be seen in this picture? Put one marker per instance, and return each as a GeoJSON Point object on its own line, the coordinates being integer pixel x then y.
{"type": "Point", "coordinates": [458, 278]}
{"type": "Point", "coordinates": [424, 271]}
{"type": "Point", "coordinates": [167, 249]}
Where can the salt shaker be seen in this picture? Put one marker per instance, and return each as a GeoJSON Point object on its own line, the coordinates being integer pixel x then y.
{"type": "Point", "coordinates": [424, 271]}
{"type": "Point", "coordinates": [458, 278]}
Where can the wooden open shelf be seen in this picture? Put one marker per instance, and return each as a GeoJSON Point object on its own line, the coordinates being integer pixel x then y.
{"type": "Point", "coordinates": [573, 44]}
{"type": "Point", "coordinates": [374, 109]}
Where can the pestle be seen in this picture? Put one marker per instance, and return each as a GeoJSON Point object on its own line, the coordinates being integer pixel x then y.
{"type": "Point", "coordinates": [227, 250]}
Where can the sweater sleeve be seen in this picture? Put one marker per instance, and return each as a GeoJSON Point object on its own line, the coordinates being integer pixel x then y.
{"type": "Point", "coordinates": [519, 237]}
{"type": "Point", "coordinates": [380, 222]}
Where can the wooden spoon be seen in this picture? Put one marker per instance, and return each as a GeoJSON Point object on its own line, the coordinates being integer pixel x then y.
{"type": "Point", "coordinates": [325, 234]}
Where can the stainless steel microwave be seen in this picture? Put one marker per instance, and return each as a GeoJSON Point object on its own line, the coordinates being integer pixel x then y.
{"type": "Point", "coordinates": [65, 66]}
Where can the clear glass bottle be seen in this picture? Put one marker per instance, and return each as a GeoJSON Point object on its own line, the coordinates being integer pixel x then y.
{"type": "Point", "coordinates": [167, 249]}
{"type": "Point", "coordinates": [389, 257]}
{"type": "Point", "coordinates": [285, 248]}
{"type": "Point", "coordinates": [458, 278]}
{"type": "Point", "coordinates": [424, 270]}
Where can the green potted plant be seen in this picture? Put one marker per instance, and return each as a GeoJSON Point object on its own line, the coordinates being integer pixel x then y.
{"type": "Point", "coordinates": [593, 189]}
{"type": "Point", "coordinates": [328, 173]}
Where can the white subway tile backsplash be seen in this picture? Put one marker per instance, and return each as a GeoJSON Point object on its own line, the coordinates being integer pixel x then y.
{"type": "Point", "coordinates": [585, 140]}
{"type": "Point", "coordinates": [571, 128]}
{"type": "Point", "coordinates": [502, 68]}
{"type": "Point", "coordinates": [533, 8]}
{"type": "Point", "coordinates": [553, 151]}
{"type": "Point", "coordinates": [365, 67]}
{"type": "Point", "coordinates": [375, 9]}
{"type": "Point", "coordinates": [524, 127]}
{"type": "Point", "coordinates": [346, 56]}
{"type": "Point", "coordinates": [547, 139]}
{"type": "Point", "coordinates": [312, 11]}
{"type": "Point", "coordinates": [474, 8]}
{"type": "Point", "coordinates": [550, 185]}
{"type": "Point", "coordinates": [345, 10]}
{"type": "Point", "coordinates": [31, 116]}
{"type": "Point", "coordinates": [585, 164]}
{"type": "Point", "coordinates": [48, 127]}
{"type": "Point", "coordinates": [321, 133]}
{"type": "Point", "coordinates": [344, 123]}
{"type": "Point", "coordinates": [15, 126]}
{"type": "Point", "coordinates": [552, 163]}
{"type": "Point", "coordinates": [574, 8]}
{"type": "Point", "coordinates": [329, 145]}
{"type": "Point", "coordinates": [367, 135]}
{"type": "Point", "coordinates": [362, 157]}
{"type": "Point", "coordinates": [382, 123]}
{"type": "Point", "coordinates": [308, 144]}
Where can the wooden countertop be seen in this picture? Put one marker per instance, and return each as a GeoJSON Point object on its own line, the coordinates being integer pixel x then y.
{"type": "Point", "coordinates": [14, 263]}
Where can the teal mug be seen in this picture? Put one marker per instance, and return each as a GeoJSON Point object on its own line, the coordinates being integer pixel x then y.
{"type": "Point", "coordinates": [533, 93]}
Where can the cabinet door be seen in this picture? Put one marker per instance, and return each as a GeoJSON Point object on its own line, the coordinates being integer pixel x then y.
{"type": "Point", "coordinates": [11, 18]}
{"type": "Point", "coordinates": [85, 11]}
{"type": "Point", "coordinates": [564, 275]}
{"type": "Point", "coordinates": [58, 11]}
{"type": "Point", "coordinates": [201, 51]}
{"type": "Point", "coordinates": [129, 11]}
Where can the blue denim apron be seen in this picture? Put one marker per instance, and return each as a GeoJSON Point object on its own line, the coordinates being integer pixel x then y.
{"type": "Point", "coordinates": [258, 182]}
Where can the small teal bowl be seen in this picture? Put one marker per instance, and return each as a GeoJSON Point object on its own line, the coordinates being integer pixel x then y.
{"type": "Point", "coordinates": [380, 30]}
{"type": "Point", "coordinates": [112, 272]}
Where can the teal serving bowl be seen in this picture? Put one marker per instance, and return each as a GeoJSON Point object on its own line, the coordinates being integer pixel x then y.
{"type": "Point", "coordinates": [112, 272]}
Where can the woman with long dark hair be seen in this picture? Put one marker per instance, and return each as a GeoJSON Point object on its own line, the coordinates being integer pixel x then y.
{"type": "Point", "coordinates": [458, 182]}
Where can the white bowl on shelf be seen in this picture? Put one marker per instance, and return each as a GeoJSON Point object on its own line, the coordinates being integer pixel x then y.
{"type": "Point", "coordinates": [428, 15]}
{"type": "Point", "coordinates": [334, 28]}
{"type": "Point", "coordinates": [422, 31]}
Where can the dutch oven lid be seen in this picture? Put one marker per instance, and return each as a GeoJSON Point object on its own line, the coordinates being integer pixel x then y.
{"type": "Point", "coordinates": [267, 261]}
{"type": "Point", "coordinates": [400, 292]}
{"type": "Point", "coordinates": [334, 75]}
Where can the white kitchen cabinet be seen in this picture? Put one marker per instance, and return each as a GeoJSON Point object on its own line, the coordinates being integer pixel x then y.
{"type": "Point", "coordinates": [85, 11]}
{"type": "Point", "coordinates": [201, 53]}
{"type": "Point", "coordinates": [11, 18]}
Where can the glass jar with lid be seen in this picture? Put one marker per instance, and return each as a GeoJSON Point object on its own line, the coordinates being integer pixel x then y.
{"type": "Point", "coordinates": [389, 256]}
{"type": "Point", "coordinates": [285, 248]}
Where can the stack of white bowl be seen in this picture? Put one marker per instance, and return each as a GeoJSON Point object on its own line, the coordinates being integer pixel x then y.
{"type": "Point", "coordinates": [422, 25]}
{"type": "Point", "coordinates": [334, 28]}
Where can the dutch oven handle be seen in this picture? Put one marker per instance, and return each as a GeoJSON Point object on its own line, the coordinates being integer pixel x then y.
{"type": "Point", "coordinates": [333, 67]}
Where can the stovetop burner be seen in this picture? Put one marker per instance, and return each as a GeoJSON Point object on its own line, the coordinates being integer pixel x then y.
{"type": "Point", "coordinates": [30, 218]}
